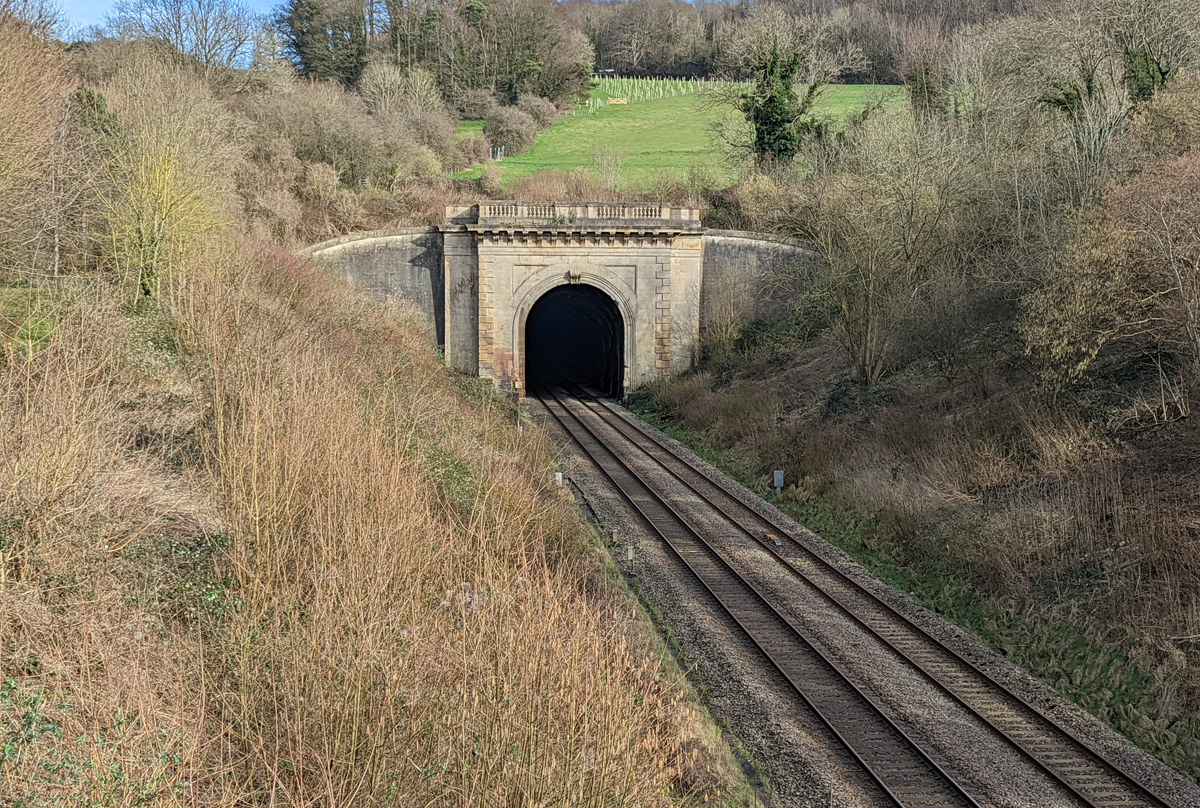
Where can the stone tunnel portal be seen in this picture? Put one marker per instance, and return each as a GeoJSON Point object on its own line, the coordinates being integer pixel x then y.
{"type": "Point", "coordinates": [576, 332]}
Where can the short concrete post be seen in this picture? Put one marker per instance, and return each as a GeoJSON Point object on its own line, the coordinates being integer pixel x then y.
{"type": "Point", "coordinates": [558, 478]}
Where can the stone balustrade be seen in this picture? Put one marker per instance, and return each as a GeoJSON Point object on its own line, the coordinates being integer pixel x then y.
{"type": "Point", "coordinates": [568, 213]}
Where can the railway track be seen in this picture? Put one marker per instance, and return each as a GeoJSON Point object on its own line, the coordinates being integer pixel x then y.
{"type": "Point", "coordinates": [902, 771]}
{"type": "Point", "coordinates": [1084, 773]}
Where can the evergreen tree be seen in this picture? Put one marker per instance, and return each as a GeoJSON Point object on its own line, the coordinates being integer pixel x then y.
{"type": "Point", "coordinates": [326, 40]}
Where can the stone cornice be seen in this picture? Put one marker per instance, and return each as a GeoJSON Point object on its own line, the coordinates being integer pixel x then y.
{"type": "Point", "coordinates": [581, 215]}
{"type": "Point", "coordinates": [491, 235]}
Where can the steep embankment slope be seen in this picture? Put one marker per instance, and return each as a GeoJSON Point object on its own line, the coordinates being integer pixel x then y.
{"type": "Point", "coordinates": [257, 546]}
{"type": "Point", "coordinates": [1065, 546]}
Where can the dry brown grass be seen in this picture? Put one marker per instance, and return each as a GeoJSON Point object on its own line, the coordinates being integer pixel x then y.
{"type": "Point", "coordinates": [97, 700]}
{"type": "Point", "coordinates": [408, 624]}
{"type": "Point", "coordinates": [326, 579]}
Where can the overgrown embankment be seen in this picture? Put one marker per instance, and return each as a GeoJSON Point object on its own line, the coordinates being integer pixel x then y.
{"type": "Point", "coordinates": [1063, 546]}
{"type": "Point", "coordinates": [259, 545]}
{"type": "Point", "coordinates": [986, 389]}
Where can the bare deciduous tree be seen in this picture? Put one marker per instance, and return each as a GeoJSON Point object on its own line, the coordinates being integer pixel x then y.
{"type": "Point", "coordinates": [1088, 63]}
{"type": "Point", "coordinates": [386, 87]}
{"type": "Point", "coordinates": [743, 43]}
{"type": "Point", "coordinates": [172, 172]}
{"type": "Point", "coordinates": [1129, 280]}
{"type": "Point", "coordinates": [32, 88]}
{"type": "Point", "coordinates": [39, 18]}
{"type": "Point", "coordinates": [217, 34]}
{"type": "Point", "coordinates": [907, 213]}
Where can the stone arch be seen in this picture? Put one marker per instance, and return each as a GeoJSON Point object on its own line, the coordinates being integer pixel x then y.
{"type": "Point", "coordinates": [563, 276]}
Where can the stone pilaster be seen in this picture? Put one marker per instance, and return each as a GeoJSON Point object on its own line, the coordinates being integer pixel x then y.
{"type": "Point", "coordinates": [662, 318]}
{"type": "Point", "coordinates": [487, 320]}
{"type": "Point", "coordinates": [461, 284]}
{"type": "Point", "coordinates": [686, 275]}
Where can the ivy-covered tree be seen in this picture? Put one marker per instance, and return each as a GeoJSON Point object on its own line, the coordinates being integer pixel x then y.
{"type": "Point", "coordinates": [928, 88]}
{"type": "Point", "coordinates": [325, 39]}
{"type": "Point", "coordinates": [1145, 74]}
{"type": "Point", "coordinates": [779, 120]}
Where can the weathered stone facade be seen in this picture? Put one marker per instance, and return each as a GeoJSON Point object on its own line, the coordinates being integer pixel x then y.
{"type": "Point", "coordinates": [478, 276]}
{"type": "Point", "coordinates": [647, 258]}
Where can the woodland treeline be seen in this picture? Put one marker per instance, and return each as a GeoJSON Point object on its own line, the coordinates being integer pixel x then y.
{"type": "Point", "coordinates": [550, 48]}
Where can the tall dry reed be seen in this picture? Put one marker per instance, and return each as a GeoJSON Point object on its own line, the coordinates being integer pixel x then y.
{"type": "Point", "coordinates": [283, 561]}
{"type": "Point", "coordinates": [95, 691]}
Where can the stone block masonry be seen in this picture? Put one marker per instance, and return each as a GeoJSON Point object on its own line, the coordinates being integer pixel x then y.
{"type": "Point", "coordinates": [476, 277]}
{"type": "Point", "coordinates": [638, 255]}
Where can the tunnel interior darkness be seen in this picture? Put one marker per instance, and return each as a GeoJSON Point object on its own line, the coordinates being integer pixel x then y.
{"type": "Point", "coordinates": [576, 332]}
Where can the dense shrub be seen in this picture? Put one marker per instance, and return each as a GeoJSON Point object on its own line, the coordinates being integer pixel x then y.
{"type": "Point", "coordinates": [435, 130]}
{"type": "Point", "coordinates": [511, 128]}
{"type": "Point", "coordinates": [489, 179]}
{"type": "Point", "coordinates": [175, 157]}
{"type": "Point", "coordinates": [470, 151]}
{"type": "Point", "coordinates": [268, 189]}
{"type": "Point", "coordinates": [475, 104]}
{"type": "Point", "coordinates": [542, 110]}
{"type": "Point", "coordinates": [326, 124]}
{"type": "Point", "coordinates": [1169, 125]}
{"type": "Point", "coordinates": [419, 163]}
{"type": "Point", "coordinates": [384, 87]}
{"type": "Point", "coordinates": [1128, 285]}
{"type": "Point", "coordinates": [330, 209]}
{"type": "Point", "coordinates": [32, 89]}
{"type": "Point", "coordinates": [554, 185]}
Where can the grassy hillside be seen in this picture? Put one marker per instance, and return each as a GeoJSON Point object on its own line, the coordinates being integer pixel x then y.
{"type": "Point", "coordinates": [648, 138]}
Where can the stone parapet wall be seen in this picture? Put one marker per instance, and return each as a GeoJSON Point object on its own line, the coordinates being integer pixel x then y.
{"type": "Point", "coordinates": [476, 278]}
{"type": "Point", "coordinates": [587, 215]}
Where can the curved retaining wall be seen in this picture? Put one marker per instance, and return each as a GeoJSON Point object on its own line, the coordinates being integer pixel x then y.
{"type": "Point", "coordinates": [741, 274]}
{"type": "Point", "coordinates": [404, 263]}
{"type": "Point", "coordinates": [735, 281]}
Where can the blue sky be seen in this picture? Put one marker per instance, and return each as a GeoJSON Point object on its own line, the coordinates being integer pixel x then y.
{"type": "Point", "coordinates": [91, 12]}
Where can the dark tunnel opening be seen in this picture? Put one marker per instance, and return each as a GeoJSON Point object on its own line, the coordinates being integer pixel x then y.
{"type": "Point", "coordinates": [576, 332]}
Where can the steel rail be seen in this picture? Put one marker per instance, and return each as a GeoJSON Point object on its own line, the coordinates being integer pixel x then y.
{"type": "Point", "coordinates": [917, 781]}
{"type": "Point", "coordinates": [1080, 783]}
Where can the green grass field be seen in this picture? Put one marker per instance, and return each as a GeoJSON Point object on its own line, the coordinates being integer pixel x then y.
{"type": "Point", "coordinates": [468, 128]}
{"type": "Point", "coordinates": [661, 136]}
